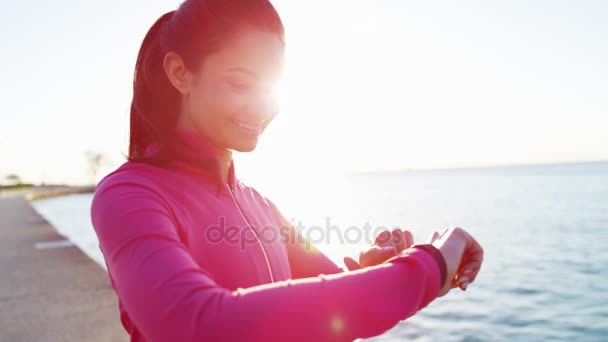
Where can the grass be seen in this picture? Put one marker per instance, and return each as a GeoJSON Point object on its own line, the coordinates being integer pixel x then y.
{"type": "Point", "coordinates": [18, 186]}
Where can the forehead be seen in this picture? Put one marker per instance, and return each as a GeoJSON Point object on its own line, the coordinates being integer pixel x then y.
{"type": "Point", "coordinates": [259, 52]}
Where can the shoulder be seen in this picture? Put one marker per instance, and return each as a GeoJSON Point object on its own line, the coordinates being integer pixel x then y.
{"type": "Point", "coordinates": [128, 208]}
{"type": "Point", "coordinates": [131, 185]}
{"type": "Point", "coordinates": [131, 175]}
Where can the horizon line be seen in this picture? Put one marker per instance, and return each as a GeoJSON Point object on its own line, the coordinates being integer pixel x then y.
{"type": "Point", "coordinates": [474, 167]}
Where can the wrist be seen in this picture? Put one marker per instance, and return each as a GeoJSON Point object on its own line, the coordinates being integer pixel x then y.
{"type": "Point", "coordinates": [438, 256]}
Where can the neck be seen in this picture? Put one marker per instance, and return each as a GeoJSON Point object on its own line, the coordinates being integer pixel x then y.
{"type": "Point", "coordinates": [224, 155]}
{"type": "Point", "coordinates": [225, 159]}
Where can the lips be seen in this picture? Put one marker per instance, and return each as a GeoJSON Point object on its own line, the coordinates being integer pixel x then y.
{"type": "Point", "coordinates": [248, 127]}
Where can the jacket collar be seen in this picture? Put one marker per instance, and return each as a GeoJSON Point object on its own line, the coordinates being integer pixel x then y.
{"type": "Point", "coordinates": [195, 152]}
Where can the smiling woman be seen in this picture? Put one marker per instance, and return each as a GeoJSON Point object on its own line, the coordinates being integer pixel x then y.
{"type": "Point", "coordinates": [195, 254]}
{"type": "Point", "coordinates": [231, 94]}
{"type": "Point", "coordinates": [218, 91]}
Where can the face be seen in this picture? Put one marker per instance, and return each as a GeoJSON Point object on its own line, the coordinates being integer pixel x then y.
{"type": "Point", "coordinates": [231, 98]}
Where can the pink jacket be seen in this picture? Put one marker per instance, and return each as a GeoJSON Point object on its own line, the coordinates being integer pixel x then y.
{"type": "Point", "coordinates": [193, 259]}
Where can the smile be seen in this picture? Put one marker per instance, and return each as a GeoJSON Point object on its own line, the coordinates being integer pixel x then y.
{"type": "Point", "coordinates": [248, 128]}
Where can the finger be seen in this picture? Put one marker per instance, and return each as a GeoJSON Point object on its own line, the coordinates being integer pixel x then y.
{"type": "Point", "coordinates": [351, 264]}
{"type": "Point", "coordinates": [377, 255]}
{"type": "Point", "coordinates": [473, 257]}
{"type": "Point", "coordinates": [381, 254]}
{"type": "Point", "coordinates": [384, 238]}
{"type": "Point", "coordinates": [471, 266]}
{"type": "Point", "coordinates": [463, 286]}
{"type": "Point", "coordinates": [471, 270]}
{"type": "Point", "coordinates": [435, 236]}
{"type": "Point", "coordinates": [399, 239]}
{"type": "Point", "coordinates": [463, 279]}
{"type": "Point", "coordinates": [409, 238]}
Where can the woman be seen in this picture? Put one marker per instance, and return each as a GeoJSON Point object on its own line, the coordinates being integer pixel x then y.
{"type": "Point", "coordinates": [196, 255]}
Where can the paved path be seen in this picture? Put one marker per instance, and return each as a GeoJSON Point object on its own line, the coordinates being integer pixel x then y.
{"type": "Point", "coordinates": [52, 294]}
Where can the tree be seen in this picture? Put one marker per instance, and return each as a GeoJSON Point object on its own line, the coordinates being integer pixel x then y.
{"type": "Point", "coordinates": [95, 160]}
{"type": "Point", "coordinates": [13, 179]}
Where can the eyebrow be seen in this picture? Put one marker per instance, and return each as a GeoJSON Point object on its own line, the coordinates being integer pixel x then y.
{"type": "Point", "coordinates": [243, 70]}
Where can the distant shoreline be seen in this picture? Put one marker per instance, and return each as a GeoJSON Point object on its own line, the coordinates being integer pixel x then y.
{"type": "Point", "coordinates": [38, 192]}
{"type": "Point", "coordinates": [474, 167]}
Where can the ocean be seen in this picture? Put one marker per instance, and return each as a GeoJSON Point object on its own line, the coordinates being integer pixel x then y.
{"type": "Point", "coordinates": [544, 229]}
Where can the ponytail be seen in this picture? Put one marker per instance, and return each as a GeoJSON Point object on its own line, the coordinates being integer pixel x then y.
{"type": "Point", "coordinates": [155, 100]}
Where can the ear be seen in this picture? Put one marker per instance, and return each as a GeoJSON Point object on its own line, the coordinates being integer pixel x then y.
{"type": "Point", "coordinates": [177, 72]}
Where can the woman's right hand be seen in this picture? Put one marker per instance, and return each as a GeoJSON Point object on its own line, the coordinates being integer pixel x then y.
{"type": "Point", "coordinates": [463, 256]}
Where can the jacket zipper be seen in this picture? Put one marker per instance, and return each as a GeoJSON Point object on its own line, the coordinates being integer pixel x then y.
{"type": "Point", "coordinates": [253, 231]}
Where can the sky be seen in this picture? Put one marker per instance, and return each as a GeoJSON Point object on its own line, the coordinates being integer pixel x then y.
{"type": "Point", "coordinates": [382, 85]}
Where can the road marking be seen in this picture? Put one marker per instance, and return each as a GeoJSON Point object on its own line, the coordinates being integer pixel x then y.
{"type": "Point", "coordinates": [53, 244]}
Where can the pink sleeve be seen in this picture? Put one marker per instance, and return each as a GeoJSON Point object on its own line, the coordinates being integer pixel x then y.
{"type": "Point", "coordinates": [169, 297]}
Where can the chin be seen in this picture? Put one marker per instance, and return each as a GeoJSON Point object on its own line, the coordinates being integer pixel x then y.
{"type": "Point", "coordinates": [246, 146]}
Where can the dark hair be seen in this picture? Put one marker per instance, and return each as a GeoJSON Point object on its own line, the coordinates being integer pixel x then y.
{"type": "Point", "coordinates": [196, 29]}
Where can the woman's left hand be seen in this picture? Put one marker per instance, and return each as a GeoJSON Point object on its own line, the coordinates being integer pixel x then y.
{"type": "Point", "coordinates": [387, 245]}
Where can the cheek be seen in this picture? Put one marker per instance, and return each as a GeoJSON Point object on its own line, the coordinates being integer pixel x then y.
{"type": "Point", "coordinates": [199, 100]}
{"type": "Point", "coordinates": [212, 103]}
{"type": "Point", "coordinates": [228, 101]}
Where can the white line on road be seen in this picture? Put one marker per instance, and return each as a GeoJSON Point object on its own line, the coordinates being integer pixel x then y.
{"type": "Point", "coordinates": [53, 244]}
